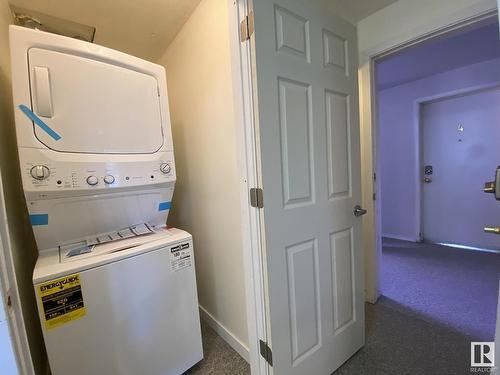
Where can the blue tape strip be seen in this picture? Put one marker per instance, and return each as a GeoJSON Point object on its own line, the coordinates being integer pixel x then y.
{"type": "Point", "coordinates": [47, 129]}
{"type": "Point", "coordinates": [39, 219]}
{"type": "Point", "coordinates": [164, 206]}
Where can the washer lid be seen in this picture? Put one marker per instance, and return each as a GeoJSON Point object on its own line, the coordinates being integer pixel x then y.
{"type": "Point", "coordinates": [94, 107]}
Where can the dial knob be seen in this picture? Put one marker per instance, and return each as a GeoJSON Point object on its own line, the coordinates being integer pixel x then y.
{"type": "Point", "coordinates": [40, 172]}
{"type": "Point", "coordinates": [165, 168]}
{"type": "Point", "coordinates": [92, 180]}
{"type": "Point", "coordinates": [109, 179]}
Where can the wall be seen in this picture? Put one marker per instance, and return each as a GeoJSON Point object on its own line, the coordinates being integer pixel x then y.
{"type": "Point", "coordinates": [24, 251]}
{"type": "Point", "coordinates": [398, 148]}
{"type": "Point", "coordinates": [206, 200]}
{"type": "Point", "coordinates": [392, 26]}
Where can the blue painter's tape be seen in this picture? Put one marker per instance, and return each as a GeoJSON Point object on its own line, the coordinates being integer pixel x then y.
{"type": "Point", "coordinates": [47, 129]}
{"type": "Point", "coordinates": [39, 219]}
{"type": "Point", "coordinates": [164, 206]}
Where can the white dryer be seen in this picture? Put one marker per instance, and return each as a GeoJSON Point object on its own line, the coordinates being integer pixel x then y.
{"type": "Point", "coordinates": [115, 289]}
{"type": "Point", "coordinates": [94, 137]}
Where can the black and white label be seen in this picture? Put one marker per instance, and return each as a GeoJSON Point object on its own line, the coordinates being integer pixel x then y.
{"type": "Point", "coordinates": [180, 257]}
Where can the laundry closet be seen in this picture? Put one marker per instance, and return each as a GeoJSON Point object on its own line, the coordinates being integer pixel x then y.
{"type": "Point", "coordinates": [206, 202]}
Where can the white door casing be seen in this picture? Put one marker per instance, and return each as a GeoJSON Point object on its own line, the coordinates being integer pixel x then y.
{"type": "Point", "coordinates": [308, 125]}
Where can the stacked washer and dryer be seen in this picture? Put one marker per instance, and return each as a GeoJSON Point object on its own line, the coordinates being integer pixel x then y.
{"type": "Point", "coordinates": [115, 288]}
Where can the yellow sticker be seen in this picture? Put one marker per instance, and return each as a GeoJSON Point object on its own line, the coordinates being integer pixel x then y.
{"type": "Point", "coordinates": [61, 300]}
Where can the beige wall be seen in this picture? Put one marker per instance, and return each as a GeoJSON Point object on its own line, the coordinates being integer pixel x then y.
{"type": "Point", "coordinates": [23, 246]}
{"type": "Point", "coordinates": [206, 200]}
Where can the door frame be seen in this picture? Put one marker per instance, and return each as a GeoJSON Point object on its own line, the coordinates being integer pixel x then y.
{"type": "Point", "coordinates": [9, 290]}
{"type": "Point", "coordinates": [369, 134]}
{"type": "Point", "coordinates": [249, 177]}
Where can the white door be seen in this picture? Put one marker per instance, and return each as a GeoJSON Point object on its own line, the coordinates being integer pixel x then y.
{"type": "Point", "coordinates": [307, 97]}
{"type": "Point", "coordinates": [460, 144]}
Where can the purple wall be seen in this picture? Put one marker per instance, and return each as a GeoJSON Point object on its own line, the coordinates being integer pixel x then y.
{"type": "Point", "coordinates": [439, 55]}
{"type": "Point", "coordinates": [396, 141]}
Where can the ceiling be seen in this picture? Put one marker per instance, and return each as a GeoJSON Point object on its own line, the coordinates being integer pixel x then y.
{"type": "Point", "coordinates": [142, 28]}
{"type": "Point", "coordinates": [436, 56]}
{"type": "Point", "coordinates": [355, 10]}
{"type": "Point", "coordinates": [145, 28]}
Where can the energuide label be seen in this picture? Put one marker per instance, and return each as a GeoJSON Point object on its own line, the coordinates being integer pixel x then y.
{"type": "Point", "coordinates": [61, 300]}
{"type": "Point", "coordinates": [180, 257]}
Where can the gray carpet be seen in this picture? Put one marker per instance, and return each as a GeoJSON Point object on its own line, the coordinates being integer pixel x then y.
{"type": "Point", "coordinates": [452, 287]}
{"type": "Point", "coordinates": [219, 357]}
{"type": "Point", "coordinates": [400, 342]}
{"type": "Point", "coordinates": [436, 301]}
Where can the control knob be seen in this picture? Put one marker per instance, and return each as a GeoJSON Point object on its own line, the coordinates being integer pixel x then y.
{"type": "Point", "coordinates": [109, 179]}
{"type": "Point", "coordinates": [92, 180]}
{"type": "Point", "coordinates": [40, 172]}
{"type": "Point", "coordinates": [165, 168]}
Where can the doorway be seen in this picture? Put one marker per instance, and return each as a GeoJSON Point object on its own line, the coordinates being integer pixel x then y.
{"type": "Point", "coordinates": [437, 110]}
{"type": "Point", "coordinates": [7, 358]}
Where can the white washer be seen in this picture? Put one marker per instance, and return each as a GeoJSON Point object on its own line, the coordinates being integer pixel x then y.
{"type": "Point", "coordinates": [135, 310]}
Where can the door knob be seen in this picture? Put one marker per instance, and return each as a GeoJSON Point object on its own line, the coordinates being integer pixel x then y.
{"type": "Point", "coordinates": [359, 211]}
{"type": "Point", "coordinates": [493, 187]}
{"type": "Point", "coordinates": [427, 180]}
{"type": "Point", "coordinates": [494, 230]}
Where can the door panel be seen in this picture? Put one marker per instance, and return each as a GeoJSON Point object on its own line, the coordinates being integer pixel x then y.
{"type": "Point", "coordinates": [308, 130]}
{"type": "Point", "coordinates": [295, 138]}
{"type": "Point", "coordinates": [460, 142]}
{"type": "Point", "coordinates": [338, 137]}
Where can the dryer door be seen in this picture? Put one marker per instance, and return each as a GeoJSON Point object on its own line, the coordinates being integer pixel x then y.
{"type": "Point", "coordinates": [95, 107]}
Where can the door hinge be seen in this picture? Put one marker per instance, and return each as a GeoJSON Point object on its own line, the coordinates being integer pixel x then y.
{"type": "Point", "coordinates": [9, 299]}
{"type": "Point", "coordinates": [246, 27]}
{"type": "Point", "coordinates": [374, 196]}
{"type": "Point", "coordinates": [256, 197]}
{"type": "Point", "coordinates": [266, 352]}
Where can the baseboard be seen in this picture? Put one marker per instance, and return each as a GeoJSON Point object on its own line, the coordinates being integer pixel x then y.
{"type": "Point", "coordinates": [226, 334]}
{"type": "Point", "coordinates": [397, 237]}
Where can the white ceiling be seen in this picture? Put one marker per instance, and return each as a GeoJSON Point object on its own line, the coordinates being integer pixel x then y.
{"type": "Point", "coordinates": [145, 28]}
{"type": "Point", "coordinates": [142, 28]}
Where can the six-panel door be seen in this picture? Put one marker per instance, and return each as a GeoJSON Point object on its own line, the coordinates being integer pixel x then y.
{"type": "Point", "coordinates": [307, 95]}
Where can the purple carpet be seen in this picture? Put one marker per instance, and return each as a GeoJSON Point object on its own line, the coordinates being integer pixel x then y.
{"type": "Point", "coordinates": [452, 287]}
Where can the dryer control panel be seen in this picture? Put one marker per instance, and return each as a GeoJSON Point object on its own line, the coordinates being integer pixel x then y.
{"type": "Point", "coordinates": [44, 177]}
